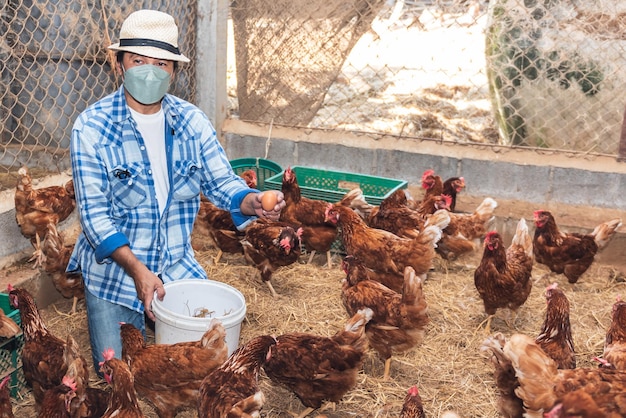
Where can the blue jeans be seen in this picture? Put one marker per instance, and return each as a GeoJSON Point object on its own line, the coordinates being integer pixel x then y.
{"type": "Point", "coordinates": [103, 320]}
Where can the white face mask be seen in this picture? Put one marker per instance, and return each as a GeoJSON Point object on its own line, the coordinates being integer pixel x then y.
{"type": "Point", "coordinates": [146, 83]}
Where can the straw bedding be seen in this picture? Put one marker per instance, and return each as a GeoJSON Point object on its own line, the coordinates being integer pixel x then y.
{"type": "Point", "coordinates": [448, 367]}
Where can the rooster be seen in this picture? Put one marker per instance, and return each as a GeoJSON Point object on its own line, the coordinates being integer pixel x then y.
{"type": "Point", "coordinates": [232, 390]}
{"type": "Point", "coordinates": [503, 277]}
{"type": "Point", "coordinates": [43, 353]}
{"type": "Point", "coordinates": [123, 402]}
{"type": "Point", "coordinates": [169, 375]}
{"type": "Point", "coordinates": [36, 208]}
{"type": "Point", "coordinates": [57, 256]}
{"type": "Point", "coordinates": [570, 254]}
{"type": "Point", "coordinates": [268, 245]}
{"type": "Point", "coordinates": [412, 406]}
{"type": "Point", "coordinates": [615, 340]}
{"type": "Point", "coordinates": [587, 392]}
{"type": "Point", "coordinates": [317, 368]}
{"type": "Point", "coordinates": [399, 320]}
{"type": "Point", "coordinates": [382, 250]}
{"type": "Point", "coordinates": [555, 337]}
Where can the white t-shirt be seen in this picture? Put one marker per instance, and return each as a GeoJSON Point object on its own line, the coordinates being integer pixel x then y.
{"type": "Point", "coordinates": [152, 129]}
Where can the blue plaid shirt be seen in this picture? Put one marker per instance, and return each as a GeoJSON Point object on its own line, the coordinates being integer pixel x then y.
{"type": "Point", "coordinates": [116, 197]}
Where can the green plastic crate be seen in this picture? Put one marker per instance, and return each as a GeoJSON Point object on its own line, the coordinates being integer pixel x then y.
{"type": "Point", "coordinates": [331, 186]}
{"type": "Point", "coordinates": [11, 353]}
{"type": "Point", "coordinates": [264, 168]}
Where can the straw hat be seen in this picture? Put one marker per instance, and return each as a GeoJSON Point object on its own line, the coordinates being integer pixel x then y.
{"type": "Point", "coordinates": [150, 33]}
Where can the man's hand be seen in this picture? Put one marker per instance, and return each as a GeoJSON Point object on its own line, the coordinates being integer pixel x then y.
{"type": "Point", "coordinates": [256, 202]}
{"type": "Point", "coordinates": [146, 282]}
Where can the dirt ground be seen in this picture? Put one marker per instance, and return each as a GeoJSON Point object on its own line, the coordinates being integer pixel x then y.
{"type": "Point", "coordinates": [448, 367]}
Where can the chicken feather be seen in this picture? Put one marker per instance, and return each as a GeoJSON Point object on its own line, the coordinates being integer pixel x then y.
{"type": "Point", "coordinates": [382, 250]}
{"type": "Point", "coordinates": [319, 369]}
{"type": "Point", "coordinates": [36, 208]}
{"type": "Point", "coordinates": [570, 254]}
{"type": "Point", "coordinates": [232, 389]}
{"type": "Point", "coordinates": [503, 277]}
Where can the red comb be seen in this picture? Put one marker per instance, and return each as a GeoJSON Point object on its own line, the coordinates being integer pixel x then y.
{"type": "Point", "coordinates": [69, 382]}
{"type": "Point", "coordinates": [108, 354]}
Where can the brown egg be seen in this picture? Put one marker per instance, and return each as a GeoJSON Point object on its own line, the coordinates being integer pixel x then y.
{"type": "Point", "coordinates": [268, 201]}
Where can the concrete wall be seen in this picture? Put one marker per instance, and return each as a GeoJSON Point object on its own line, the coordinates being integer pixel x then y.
{"type": "Point", "coordinates": [540, 177]}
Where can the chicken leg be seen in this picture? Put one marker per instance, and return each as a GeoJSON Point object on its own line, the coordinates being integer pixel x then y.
{"type": "Point", "coordinates": [302, 414]}
{"type": "Point", "coordinates": [272, 291]}
{"type": "Point", "coordinates": [387, 372]}
{"type": "Point", "coordinates": [38, 255]}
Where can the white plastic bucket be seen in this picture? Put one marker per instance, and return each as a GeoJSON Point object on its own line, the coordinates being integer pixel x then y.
{"type": "Point", "coordinates": [177, 314]}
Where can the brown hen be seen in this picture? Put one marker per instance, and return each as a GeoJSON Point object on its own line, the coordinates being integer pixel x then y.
{"type": "Point", "coordinates": [232, 390]}
{"type": "Point", "coordinates": [412, 406]}
{"type": "Point", "coordinates": [381, 250]}
{"type": "Point", "coordinates": [509, 404]}
{"type": "Point", "coordinates": [319, 369]}
{"type": "Point", "coordinates": [86, 401]}
{"type": "Point", "coordinates": [570, 254]}
{"type": "Point", "coordinates": [318, 235]}
{"type": "Point", "coordinates": [431, 183]}
{"type": "Point", "coordinates": [463, 234]}
{"type": "Point", "coordinates": [123, 402]}
{"type": "Point", "coordinates": [582, 392]}
{"type": "Point", "coordinates": [36, 208]}
{"type": "Point", "coordinates": [169, 375]}
{"type": "Point", "coordinates": [399, 320]}
{"type": "Point", "coordinates": [452, 187]}
{"type": "Point", "coordinates": [217, 225]}
{"type": "Point", "coordinates": [8, 327]}
{"type": "Point", "coordinates": [354, 267]}
{"type": "Point", "coordinates": [615, 340]}
{"type": "Point", "coordinates": [57, 256]}
{"type": "Point", "coordinates": [268, 245]}
{"type": "Point", "coordinates": [249, 177]}
{"type": "Point", "coordinates": [395, 216]}
{"type": "Point", "coordinates": [555, 337]}
{"type": "Point", "coordinates": [43, 353]}
{"type": "Point", "coordinates": [6, 408]}
{"type": "Point", "coordinates": [503, 277]}
{"type": "Point", "coordinates": [57, 400]}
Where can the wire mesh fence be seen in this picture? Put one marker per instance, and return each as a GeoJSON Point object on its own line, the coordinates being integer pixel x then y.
{"type": "Point", "coordinates": [536, 73]}
{"type": "Point", "coordinates": [54, 64]}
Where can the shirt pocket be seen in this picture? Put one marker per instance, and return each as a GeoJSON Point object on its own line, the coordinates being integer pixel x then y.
{"type": "Point", "coordinates": [126, 185]}
{"type": "Point", "coordinates": [187, 180]}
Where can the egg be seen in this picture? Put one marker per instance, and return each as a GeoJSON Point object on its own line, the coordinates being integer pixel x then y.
{"type": "Point", "coordinates": [268, 201]}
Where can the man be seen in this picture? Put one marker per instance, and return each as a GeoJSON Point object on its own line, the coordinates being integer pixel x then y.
{"type": "Point", "coordinates": [140, 159]}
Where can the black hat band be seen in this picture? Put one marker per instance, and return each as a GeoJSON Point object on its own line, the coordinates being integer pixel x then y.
{"type": "Point", "coordinates": [150, 42]}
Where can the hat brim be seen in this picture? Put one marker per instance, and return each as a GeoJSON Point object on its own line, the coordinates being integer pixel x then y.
{"type": "Point", "coordinates": [150, 51]}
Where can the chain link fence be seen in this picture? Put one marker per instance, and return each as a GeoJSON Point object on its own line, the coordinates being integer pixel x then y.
{"type": "Point", "coordinates": [534, 73]}
{"type": "Point", "coordinates": [54, 63]}
{"type": "Point", "coordinates": [538, 73]}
